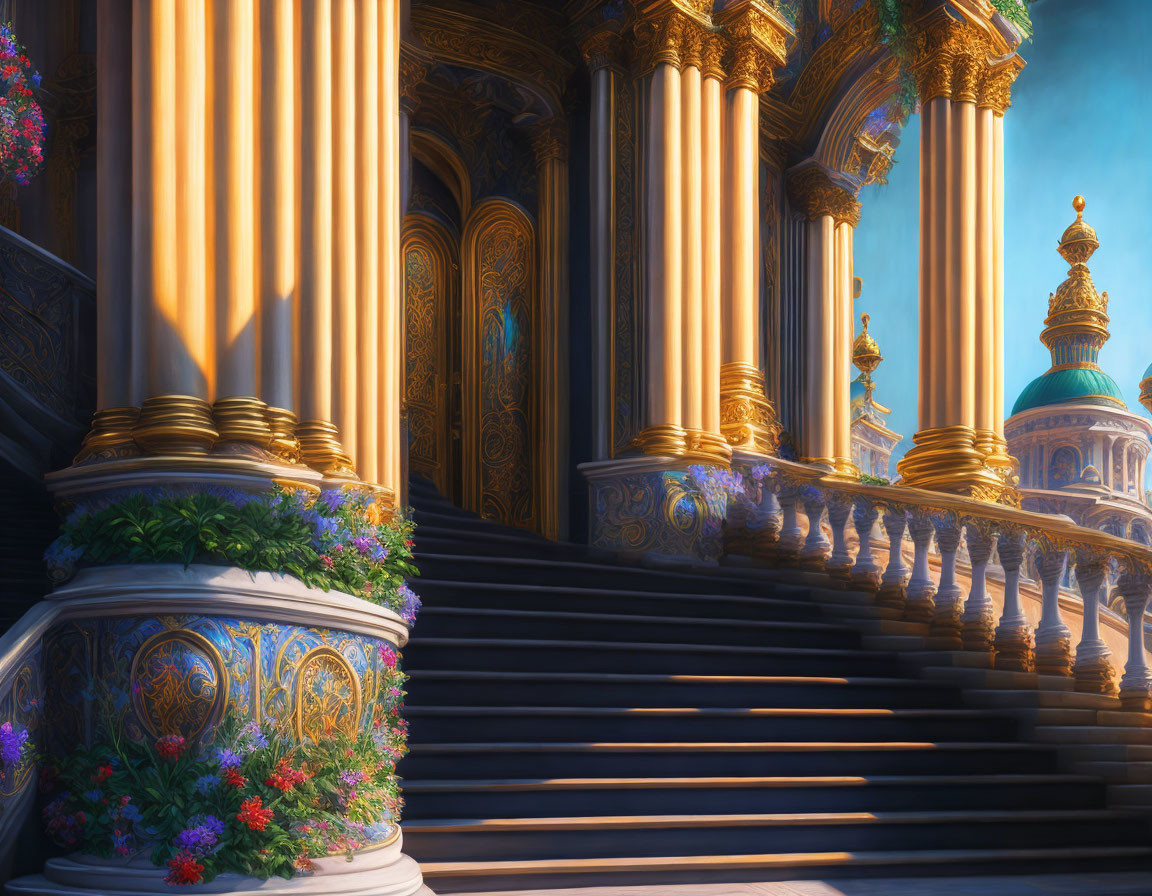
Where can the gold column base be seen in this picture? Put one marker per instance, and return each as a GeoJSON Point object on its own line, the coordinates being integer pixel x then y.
{"type": "Point", "coordinates": [747, 419]}
{"type": "Point", "coordinates": [282, 426]}
{"type": "Point", "coordinates": [1095, 675]}
{"type": "Point", "coordinates": [320, 448]}
{"type": "Point", "coordinates": [706, 447]}
{"type": "Point", "coordinates": [1015, 651]}
{"type": "Point", "coordinates": [110, 436]}
{"type": "Point", "coordinates": [242, 423]}
{"type": "Point", "coordinates": [175, 424]}
{"type": "Point", "coordinates": [662, 439]}
{"type": "Point", "coordinates": [999, 461]}
{"type": "Point", "coordinates": [946, 459]}
{"type": "Point", "coordinates": [844, 470]}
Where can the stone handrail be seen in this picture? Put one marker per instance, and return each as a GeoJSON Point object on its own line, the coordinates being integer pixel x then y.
{"type": "Point", "coordinates": [958, 621]}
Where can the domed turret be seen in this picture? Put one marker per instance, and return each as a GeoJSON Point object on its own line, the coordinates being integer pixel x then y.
{"type": "Point", "coordinates": [866, 356]}
{"type": "Point", "coordinates": [1146, 389]}
{"type": "Point", "coordinates": [1074, 331]}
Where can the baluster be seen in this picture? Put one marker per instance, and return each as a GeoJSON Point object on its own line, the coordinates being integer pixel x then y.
{"type": "Point", "coordinates": [1093, 666]}
{"type": "Point", "coordinates": [918, 605]}
{"type": "Point", "coordinates": [1136, 684]}
{"type": "Point", "coordinates": [946, 632]}
{"type": "Point", "coordinates": [791, 535]}
{"type": "Point", "coordinates": [977, 619]}
{"type": "Point", "coordinates": [768, 517]}
{"type": "Point", "coordinates": [1013, 638]}
{"type": "Point", "coordinates": [1053, 638]}
{"type": "Point", "coordinates": [891, 591]}
{"type": "Point", "coordinates": [865, 572]}
{"type": "Point", "coordinates": [816, 547]}
{"type": "Point", "coordinates": [839, 564]}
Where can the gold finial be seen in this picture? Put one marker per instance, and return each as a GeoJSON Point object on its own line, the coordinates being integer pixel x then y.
{"type": "Point", "coordinates": [1079, 240]}
{"type": "Point", "coordinates": [865, 350]}
{"type": "Point", "coordinates": [1078, 204]}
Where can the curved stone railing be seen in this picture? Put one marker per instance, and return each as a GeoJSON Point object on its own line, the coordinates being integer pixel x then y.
{"type": "Point", "coordinates": [959, 620]}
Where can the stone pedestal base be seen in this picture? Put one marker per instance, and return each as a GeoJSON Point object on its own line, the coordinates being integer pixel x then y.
{"type": "Point", "coordinates": [641, 506]}
{"type": "Point", "coordinates": [1014, 649]}
{"type": "Point", "coordinates": [385, 871]}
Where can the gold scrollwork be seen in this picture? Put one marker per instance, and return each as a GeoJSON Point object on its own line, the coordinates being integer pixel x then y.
{"type": "Point", "coordinates": [179, 684]}
{"type": "Point", "coordinates": [328, 697]}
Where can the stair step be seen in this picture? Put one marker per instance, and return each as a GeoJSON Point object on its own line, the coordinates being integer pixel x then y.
{"type": "Point", "coordinates": [1097, 734]}
{"type": "Point", "coordinates": [744, 758]}
{"type": "Point", "coordinates": [472, 622]}
{"type": "Point", "coordinates": [623, 836]}
{"type": "Point", "coordinates": [1118, 772]}
{"type": "Point", "coordinates": [427, 687]}
{"type": "Point", "coordinates": [508, 654]}
{"type": "Point", "coordinates": [453, 798]}
{"type": "Point", "coordinates": [541, 874]}
{"type": "Point", "coordinates": [461, 723]}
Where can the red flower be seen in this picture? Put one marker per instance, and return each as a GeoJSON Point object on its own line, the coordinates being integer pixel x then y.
{"type": "Point", "coordinates": [285, 777]}
{"type": "Point", "coordinates": [103, 773]}
{"type": "Point", "coordinates": [234, 778]}
{"type": "Point", "coordinates": [253, 815]}
{"type": "Point", "coordinates": [170, 746]}
{"type": "Point", "coordinates": [326, 561]}
{"type": "Point", "coordinates": [184, 870]}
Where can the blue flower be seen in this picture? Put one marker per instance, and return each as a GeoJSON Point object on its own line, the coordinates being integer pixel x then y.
{"type": "Point", "coordinates": [94, 796]}
{"type": "Point", "coordinates": [333, 499]}
{"type": "Point", "coordinates": [11, 743]}
{"type": "Point", "coordinates": [206, 783]}
{"type": "Point", "coordinates": [129, 811]}
{"type": "Point", "coordinates": [228, 759]}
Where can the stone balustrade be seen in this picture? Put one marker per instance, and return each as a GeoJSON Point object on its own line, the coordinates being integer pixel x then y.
{"type": "Point", "coordinates": [957, 620]}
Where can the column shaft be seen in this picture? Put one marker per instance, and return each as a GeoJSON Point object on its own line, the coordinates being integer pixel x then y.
{"type": "Point", "coordinates": [998, 274]}
{"type": "Point", "coordinates": [692, 251]}
{"type": "Point", "coordinates": [711, 103]}
{"type": "Point", "coordinates": [277, 209]}
{"type": "Point", "coordinates": [602, 247]}
{"type": "Point", "coordinates": [842, 350]}
{"type": "Point", "coordinates": [114, 331]}
{"type": "Point", "coordinates": [314, 249]}
{"type": "Point", "coordinates": [663, 271]}
{"type": "Point", "coordinates": [391, 273]}
{"type": "Point", "coordinates": [819, 360]}
{"type": "Point", "coordinates": [985, 336]}
{"type": "Point", "coordinates": [740, 290]}
{"type": "Point", "coordinates": [344, 188]}
{"type": "Point", "coordinates": [367, 185]}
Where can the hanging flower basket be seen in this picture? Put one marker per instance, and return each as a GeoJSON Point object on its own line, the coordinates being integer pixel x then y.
{"type": "Point", "coordinates": [21, 118]}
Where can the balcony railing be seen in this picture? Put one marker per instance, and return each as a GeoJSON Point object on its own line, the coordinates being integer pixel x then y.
{"type": "Point", "coordinates": [959, 621]}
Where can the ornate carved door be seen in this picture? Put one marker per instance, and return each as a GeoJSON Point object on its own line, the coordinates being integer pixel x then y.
{"type": "Point", "coordinates": [432, 295]}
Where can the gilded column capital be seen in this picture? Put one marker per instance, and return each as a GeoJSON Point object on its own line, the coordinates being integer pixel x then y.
{"type": "Point", "coordinates": [692, 46]}
{"type": "Point", "coordinates": [757, 44]}
{"type": "Point", "coordinates": [658, 38]}
{"type": "Point", "coordinates": [603, 49]}
{"type": "Point", "coordinates": [949, 59]}
{"type": "Point", "coordinates": [814, 193]}
{"type": "Point", "coordinates": [712, 57]}
{"type": "Point", "coordinates": [995, 91]}
{"type": "Point", "coordinates": [414, 66]}
{"type": "Point", "coordinates": [550, 141]}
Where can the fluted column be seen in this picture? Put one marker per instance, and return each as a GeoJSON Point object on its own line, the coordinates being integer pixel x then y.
{"type": "Point", "coordinates": [601, 52]}
{"type": "Point", "coordinates": [1092, 668]}
{"type": "Point", "coordinates": [756, 42]}
{"type": "Point", "coordinates": [711, 189]}
{"type": "Point", "coordinates": [1136, 684]}
{"type": "Point", "coordinates": [692, 209]}
{"type": "Point", "coordinates": [663, 430]}
{"type": "Point", "coordinates": [1053, 637]}
{"type": "Point", "coordinates": [390, 448]}
{"type": "Point", "coordinates": [958, 447]}
{"type": "Point", "coordinates": [551, 146]}
{"type": "Point", "coordinates": [832, 212]}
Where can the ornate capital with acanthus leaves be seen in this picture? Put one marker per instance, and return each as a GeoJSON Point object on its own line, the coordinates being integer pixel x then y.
{"type": "Point", "coordinates": [712, 57]}
{"type": "Point", "coordinates": [550, 141]}
{"type": "Point", "coordinates": [964, 63]}
{"type": "Point", "coordinates": [757, 44]}
{"type": "Point", "coordinates": [814, 193]}
{"type": "Point", "coordinates": [658, 38]}
{"type": "Point", "coordinates": [602, 49]}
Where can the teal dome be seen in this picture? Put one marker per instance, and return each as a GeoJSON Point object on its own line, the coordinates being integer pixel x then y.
{"type": "Point", "coordinates": [1085, 385]}
{"type": "Point", "coordinates": [1147, 373]}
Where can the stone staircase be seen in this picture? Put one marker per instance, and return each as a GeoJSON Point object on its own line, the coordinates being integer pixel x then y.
{"type": "Point", "coordinates": [579, 723]}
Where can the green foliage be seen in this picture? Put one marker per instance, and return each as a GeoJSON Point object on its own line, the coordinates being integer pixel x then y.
{"type": "Point", "coordinates": [254, 801]}
{"type": "Point", "coordinates": [868, 479]}
{"type": "Point", "coordinates": [1016, 12]}
{"type": "Point", "coordinates": [341, 540]}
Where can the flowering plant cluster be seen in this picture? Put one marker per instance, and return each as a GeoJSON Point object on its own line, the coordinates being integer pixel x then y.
{"type": "Point", "coordinates": [254, 801]}
{"type": "Point", "coordinates": [343, 539]}
{"type": "Point", "coordinates": [21, 119]}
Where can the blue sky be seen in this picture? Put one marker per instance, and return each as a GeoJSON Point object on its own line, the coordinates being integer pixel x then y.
{"type": "Point", "coordinates": [1080, 122]}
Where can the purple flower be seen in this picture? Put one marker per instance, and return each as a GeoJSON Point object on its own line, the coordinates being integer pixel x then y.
{"type": "Point", "coordinates": [228, 759]}
{"type": "Point", "coordinates": [11, 743]}
{"type": "Point", "coordinates": [129, 811]}
{"type": "Point", "coordinates": [333, 499]}
{"type": "Point", "coordinates": [362, 544]}
{"type": "Point", "coordinates": [206, 783]}
{"type": "Point", "coordinates": [410, 603]}
{"type": "Point", "coordinates": [352, 777]}
{"type": "Point", "coordinates": [379, 552]}
{"type": "Point", "coordinates": [201, 835]}
{"type": "Point", "coordinates": [325, 529]}
{"type": "Point", "coordinates": [251, 738]}
{"type": "Point", "coordinates": [94, 796]}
